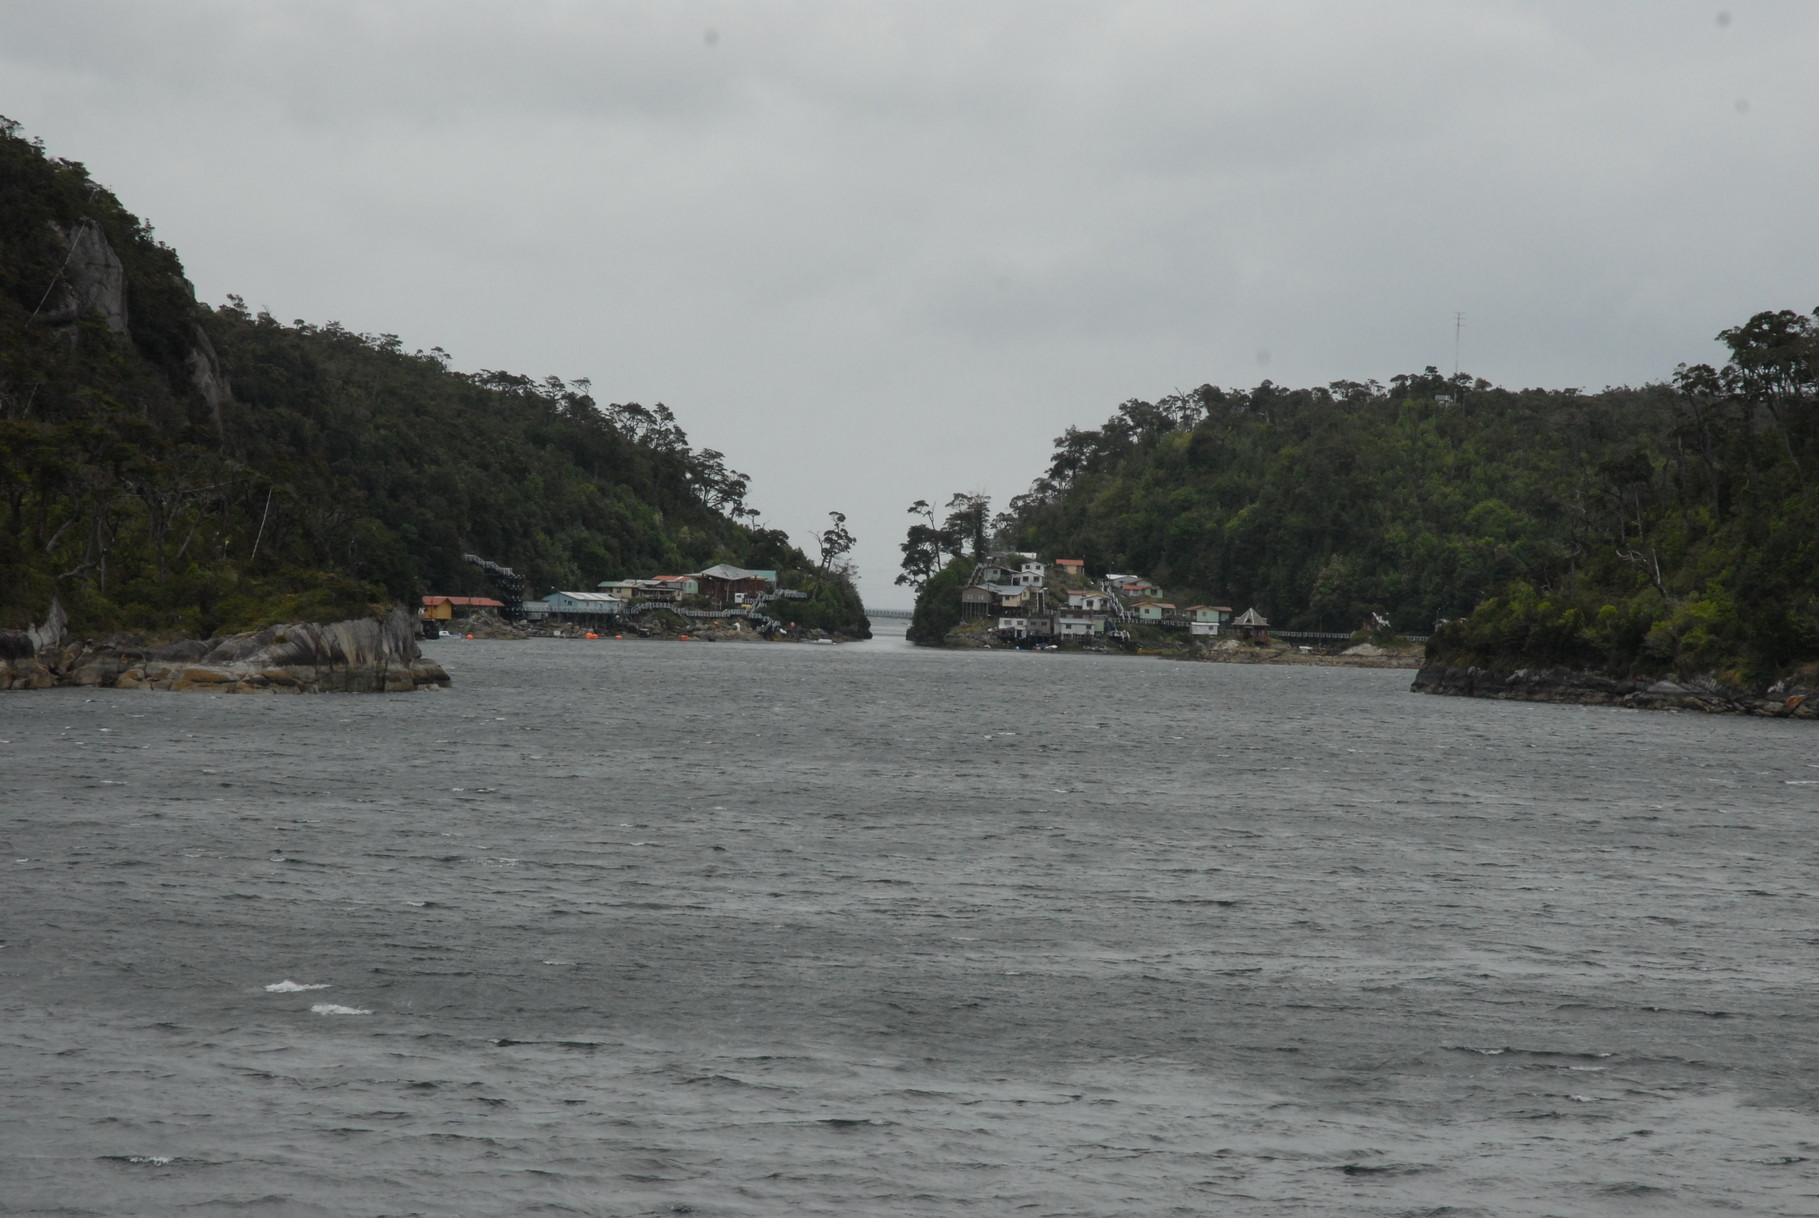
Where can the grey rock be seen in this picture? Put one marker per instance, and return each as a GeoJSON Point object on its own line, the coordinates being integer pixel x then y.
{"type": "Point", "coordinates": [1702, 693]}
{"type": "Point", "coordinates": [93, 278]}
{"type": "Point", "coordinates": [363, 655]}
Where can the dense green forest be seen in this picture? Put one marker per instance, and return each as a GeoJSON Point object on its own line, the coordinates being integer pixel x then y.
{"type": "Point", "coordinates": [1320, 506]}
{"type": "Point", "coordinates": [1674, 526]}
{"type": "Point", "coordinates": [179, 469]}
{"type": "Point", "coordinates": [1696, 552]}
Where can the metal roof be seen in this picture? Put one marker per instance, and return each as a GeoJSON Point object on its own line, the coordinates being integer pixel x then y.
{"type": "Point", "coordinates": [727, 571]}
{"type": "Point", "coordinates": [591, 597]}
{"type": "Point", "coordinates": [485, 602]}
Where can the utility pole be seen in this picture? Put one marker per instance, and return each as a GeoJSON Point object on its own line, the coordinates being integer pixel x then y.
{"type": "Point", "coordinates": [1458, 325]}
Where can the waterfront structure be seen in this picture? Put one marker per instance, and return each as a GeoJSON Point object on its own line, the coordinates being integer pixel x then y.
{"type": "Point", "coordinates": [447, 608]}
{"type": "Point", "coordinates": [582, 604]}
{"type": "Point", "coordinates": [976, 600]}
{"type": "Point", "coordinates": [1253, 626]}
{"type": "Point", "coordinates": [664, 589]}
{"type": "Point", "coordinates": [1078, 623]}
{"type": "Point", "coordinates": [726, 584]}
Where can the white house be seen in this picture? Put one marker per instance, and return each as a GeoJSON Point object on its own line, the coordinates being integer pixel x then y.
{"type": "Point", "coordinates": [1092, 602]}
{"type": "Point", "coordinates": [1206, 619]}
{"type": "Point", "coordinates": [1078, 622]}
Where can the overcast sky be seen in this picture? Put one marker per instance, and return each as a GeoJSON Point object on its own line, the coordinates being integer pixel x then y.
{"type": "Point", "coordinates": [881, 252]}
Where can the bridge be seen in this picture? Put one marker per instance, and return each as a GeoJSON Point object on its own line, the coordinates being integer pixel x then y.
{"type": "Point", "coordinates": [904, 614]}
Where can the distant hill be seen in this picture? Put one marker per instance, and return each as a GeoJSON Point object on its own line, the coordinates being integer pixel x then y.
{"type": "Point", "coordinates": [174, 468]}
{"type": "Point", "coordinates": [1674, 527]}
{"type": "Point", "coordinates": [1321, 506]}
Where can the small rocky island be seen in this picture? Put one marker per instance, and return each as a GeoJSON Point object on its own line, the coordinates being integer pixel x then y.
{"type": "Point", "coordinates": [375, 654]}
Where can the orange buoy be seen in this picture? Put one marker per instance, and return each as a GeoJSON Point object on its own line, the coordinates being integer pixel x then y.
{"type": "Point", "coordinates": [618, 636]}
{"type": "Point", "coordinates": [592, 635]}
{"type": "Point", "coordinates": [470, 636]}
{"type": "Point", "coordinates": [682, 638]}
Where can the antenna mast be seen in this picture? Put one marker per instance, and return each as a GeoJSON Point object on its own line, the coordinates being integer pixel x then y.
{"type": "Point", "coordinates": [1458, 325]}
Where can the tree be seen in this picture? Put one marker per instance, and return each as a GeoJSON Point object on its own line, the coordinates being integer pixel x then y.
{"type": "Point", "coordinates": [938, 604]}
{"type": "Point", "coordinates": [835, 543]}
{"type": "Point", "coordinates": [921, 548]}
{"type": "Point", "coordinates": [967, 524]}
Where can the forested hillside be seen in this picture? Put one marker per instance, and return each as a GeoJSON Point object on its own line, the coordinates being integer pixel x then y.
{"type": "Point", "coordinates": [179, 469]}
{"type": "Point", "coordinates": [1671, 527]}
{"type": "Point", "coordinates": [1697, 552]}
{"type": "Point", "coordinates": [1319, 506]}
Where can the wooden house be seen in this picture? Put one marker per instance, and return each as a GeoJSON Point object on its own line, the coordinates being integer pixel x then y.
{"type": "Point", "coordinates": [446, 608]}
{"type": "Point", "coordinates": [1137, 589]}
{"type": "Point", "coordinates": [976, 601]}
{"type": "Point", "coordinates": [725, 584]}
{"type": "Point", "coordinates": [1253, 626]}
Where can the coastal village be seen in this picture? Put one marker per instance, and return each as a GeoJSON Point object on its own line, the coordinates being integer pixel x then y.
{"type": "Point", "coordinates": [724, 599]}
{"type": "Point", "coordinates": [1015, 592]}
{"type": "Point", "coordinates": [1014, 599]}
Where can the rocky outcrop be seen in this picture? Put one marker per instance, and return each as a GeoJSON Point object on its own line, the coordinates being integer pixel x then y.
{"type": "Point", "coordinates": [92, 278]}
{"type": "Point", "coordinates": [1785, 699]}
{"type": "Point", "coordinates": [206, 376]}
{"type": "Point", "coordinates": [365, 655]}
{"type": "Point", "coordinates": [486, 624]}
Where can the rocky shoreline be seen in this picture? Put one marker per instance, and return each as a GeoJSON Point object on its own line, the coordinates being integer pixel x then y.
{"type": "Point", "coordinates": [1363, 655]}
{"type": "Point", "coordinates": [982, 637]}
{"type": "Point", "coordinates": [364, 655]}
{"type": "Point", "coordinates": [1790, 699]}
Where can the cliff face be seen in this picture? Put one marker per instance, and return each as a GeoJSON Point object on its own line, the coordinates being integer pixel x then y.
{"type": "Point", "coordinates": [1794, 698]}
{"type": "Point", "coordinates": [92, 277]}
{"type": "Point", "coordinates": [366, 655]}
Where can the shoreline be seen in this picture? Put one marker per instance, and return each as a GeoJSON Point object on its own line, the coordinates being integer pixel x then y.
{"type": "Point", "coordinates": [360, 655]}
{"type": "Point", "coordinates": [1243, 653]}
{"type": "Point", "coordinates": [1316, 660]}
{"type": "Point", "coordinates": [1706, 695]}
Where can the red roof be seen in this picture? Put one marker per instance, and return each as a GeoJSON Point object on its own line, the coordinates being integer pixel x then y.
{"type": "Point", "coordinates": [485, 602]}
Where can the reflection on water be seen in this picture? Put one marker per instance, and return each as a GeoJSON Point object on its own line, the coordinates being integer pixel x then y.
{"type": "Point", "coordinates": [614, 928]}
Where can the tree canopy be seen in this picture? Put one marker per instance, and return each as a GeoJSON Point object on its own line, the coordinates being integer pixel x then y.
{"type": "Point", "coordinates": [1321, 506]}
{"type": "Point", "coordinates": [1673, 526]}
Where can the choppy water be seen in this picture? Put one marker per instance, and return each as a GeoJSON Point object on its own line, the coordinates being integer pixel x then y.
{"type": "Point", "coordinates": [641, 928]}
